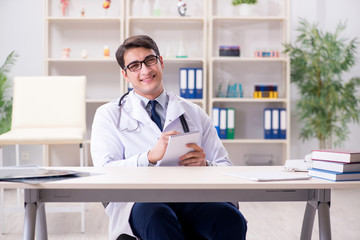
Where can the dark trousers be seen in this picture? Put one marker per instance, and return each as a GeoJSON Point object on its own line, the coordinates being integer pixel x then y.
{"type": "Point", "coordinates": [175, 221]}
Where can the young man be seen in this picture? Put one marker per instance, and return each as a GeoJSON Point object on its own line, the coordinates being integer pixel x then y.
{"type": "Point", "coordinates": [134, 131]}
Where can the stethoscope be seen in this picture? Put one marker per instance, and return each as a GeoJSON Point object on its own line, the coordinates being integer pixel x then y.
{"type": "Point", "coordinates": [182, 118]}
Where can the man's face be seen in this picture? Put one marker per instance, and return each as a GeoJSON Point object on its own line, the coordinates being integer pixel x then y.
{"type": "Point", "coordinates": [146, 81]}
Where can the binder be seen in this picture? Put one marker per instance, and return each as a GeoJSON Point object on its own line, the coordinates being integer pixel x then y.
{"type": "Point", "coordinates": [267, 123]}
{"type": "Point", "coordinates": [191, 83]}
{"type": "Point", "coordinates": [130, 86]}
{"type": "Point", "coordinates": [222, 123]}
{"type": "Point", "coordinates": [230, 130]}
{"type": "Point", "coordinates": [275, 124]}
{"type": "Point", "coordinates": [183, 82]}
{"type": "Point", "coordinates": [199, 83]}
{"type": "Point", "coordinates": [283, 123]}
{"type": "Point", "coordinates": [216, 119]}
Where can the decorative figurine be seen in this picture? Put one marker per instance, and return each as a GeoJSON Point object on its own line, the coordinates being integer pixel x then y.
{"type": "Point", "coordinates": [66, 52]}
{"type": "Point", "coordinates": [106, 52]}
{"type": "Point", "coordinates": [106, 4]}
{"type": "Point", "coordinates": [84, 54]}
{"type": "Point", "coordinates": [182, 8]}
{"type": "Point", "coordinates": [82, 11]}
{"type": "Point", "coordinates": [64, 5]}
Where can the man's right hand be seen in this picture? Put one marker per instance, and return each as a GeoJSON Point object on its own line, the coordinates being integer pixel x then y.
{"type": "Point", "coordinates": [157, 153]}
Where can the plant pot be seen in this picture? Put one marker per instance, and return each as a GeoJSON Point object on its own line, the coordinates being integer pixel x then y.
{"type": "Point", "coordinates": [246, 9]}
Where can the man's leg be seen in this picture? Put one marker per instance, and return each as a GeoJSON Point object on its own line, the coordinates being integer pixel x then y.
{"type": "Point", "coordinates": [217, 221]}
{"type": "Point", "coordinates": [155, 221]}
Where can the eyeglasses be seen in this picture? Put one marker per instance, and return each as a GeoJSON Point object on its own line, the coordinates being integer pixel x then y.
{"type": "Point", "coordinates": [137, 65]}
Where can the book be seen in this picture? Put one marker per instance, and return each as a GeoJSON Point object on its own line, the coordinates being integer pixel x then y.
{"type": "Point", "coordinates": [336, 155]}
{"type": "Point", "coordinates": [336, 166]}
{"type": "Point", "coordinates": [177, 147]}
{"type": "Point", "coordinates": [334, 176]}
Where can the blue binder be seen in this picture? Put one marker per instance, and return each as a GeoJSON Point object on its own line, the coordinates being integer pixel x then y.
{"type": "Point", "coordinates": [190, 83]}
{"type": "Point", "coordinates": [223, 121]}
{"type": "Point", "coordinates": [275, 123]}
{"type": "Point", "coordinates": [216, 119]}
{"type": "Point", "coordinates": [199, 83]}
{"type": "Point", "coordinates": [183, 82]}
{"type": "Point", "coordinates": [267, 123]}
{"type": "Point", "coordinates": [283, 123]}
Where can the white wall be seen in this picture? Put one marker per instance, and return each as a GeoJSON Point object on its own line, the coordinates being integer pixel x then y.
{"type": "Point", "coordinates": [21, 29]}
{"type": "Point", "coordinates": [327, 13]}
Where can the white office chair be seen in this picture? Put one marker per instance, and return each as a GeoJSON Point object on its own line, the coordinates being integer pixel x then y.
{"type": "Point", "coordinates": [48, 110]}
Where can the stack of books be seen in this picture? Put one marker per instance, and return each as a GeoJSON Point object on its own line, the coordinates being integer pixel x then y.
{"type": "Point", "coordinates": [336, 164]}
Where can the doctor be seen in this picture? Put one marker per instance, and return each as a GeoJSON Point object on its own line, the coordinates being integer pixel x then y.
{"type": "Point", "coordinates": [134, 131]}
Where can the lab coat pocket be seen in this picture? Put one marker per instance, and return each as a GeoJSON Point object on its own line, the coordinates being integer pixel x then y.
{"type": "Point", "coordinates": [128, 123]}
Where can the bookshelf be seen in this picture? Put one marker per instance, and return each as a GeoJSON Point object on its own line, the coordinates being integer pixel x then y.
{"type": "Point", "coordinates": [265, 28]}
{"type": "Point", "coordinates": [207, 25]}
{"type": "Point", "coordinates": [171, 31]}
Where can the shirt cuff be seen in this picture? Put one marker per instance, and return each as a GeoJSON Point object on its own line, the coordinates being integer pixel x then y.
{"type": "Point", "coordinates": [143, 160]}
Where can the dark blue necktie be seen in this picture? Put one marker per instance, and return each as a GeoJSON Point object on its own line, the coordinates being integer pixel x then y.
{"type": "Point", "coordinates": [154, 115]}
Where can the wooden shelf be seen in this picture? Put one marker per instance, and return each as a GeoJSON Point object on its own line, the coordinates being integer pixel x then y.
{"type": "Point", "coordinates": [83, 19]}
{"type": "Point", "coordinates": [254, 141]}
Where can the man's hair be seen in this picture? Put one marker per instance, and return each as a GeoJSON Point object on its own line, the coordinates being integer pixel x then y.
{"type": "Point", "coordinates": [136, 41]}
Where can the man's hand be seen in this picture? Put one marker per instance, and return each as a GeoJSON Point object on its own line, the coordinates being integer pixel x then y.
{"type": "Point", "coordinates": [193, 158]}
{"type": "Point", "coordinates": [157, 153]}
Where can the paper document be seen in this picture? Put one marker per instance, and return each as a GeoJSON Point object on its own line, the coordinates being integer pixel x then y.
{"type": "Point", "coordinates": [34, 175]}
{"type": "Point", "coordinates": [265, 176]}
{"type": "Point", "coordinates": [177, 147]}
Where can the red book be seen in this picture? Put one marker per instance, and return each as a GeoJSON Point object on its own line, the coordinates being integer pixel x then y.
{"type": "Point", "coordinates": [336, 155]}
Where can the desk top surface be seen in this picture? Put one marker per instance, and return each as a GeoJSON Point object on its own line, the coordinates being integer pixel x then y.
{"type": "Point", "coordinates": [176, 178]}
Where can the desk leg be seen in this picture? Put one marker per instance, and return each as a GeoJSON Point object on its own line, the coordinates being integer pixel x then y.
{"type": "Point", "coordinates": [29, 221]}
{"type": "Point", "coordinates": [308, 221]}
{"type": "Point", "coordinates": [324, 221]}
{"type": "Point", "coordinates": [41, 228]}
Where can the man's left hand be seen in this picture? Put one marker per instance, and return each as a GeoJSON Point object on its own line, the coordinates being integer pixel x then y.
{"type": "Point", "coordinates": [193, 158]}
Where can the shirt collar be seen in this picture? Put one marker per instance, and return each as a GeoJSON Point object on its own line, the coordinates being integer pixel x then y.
{"type": "Point", "coordinates": [161, 99]}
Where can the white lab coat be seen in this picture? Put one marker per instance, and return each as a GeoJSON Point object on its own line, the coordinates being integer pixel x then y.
{"type": "Point", "coordinates": [121, 134]}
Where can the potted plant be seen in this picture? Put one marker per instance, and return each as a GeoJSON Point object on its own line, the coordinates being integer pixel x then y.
{"type": "Point", "coordinates": [237, 2]}
{"type": "Point", "coordinates": [327, 103]}
{"type": "Point", "coordinates": [5, 98]}
{"type": "Point", "coordinates": [244, 6]}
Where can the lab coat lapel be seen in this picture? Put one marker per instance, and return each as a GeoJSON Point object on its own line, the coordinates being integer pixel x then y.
{"type": "Point", "coordinates": [133, 113]}
{"type": "Point", "coordinates": [174, 110]}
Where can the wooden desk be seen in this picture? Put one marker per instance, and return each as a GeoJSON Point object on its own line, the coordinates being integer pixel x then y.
{"type": "Point", "coordinates": [177, 184]}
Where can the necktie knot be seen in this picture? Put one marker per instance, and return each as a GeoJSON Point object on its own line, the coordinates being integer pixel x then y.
{"type": "Point", "coordinates": [154, 115]}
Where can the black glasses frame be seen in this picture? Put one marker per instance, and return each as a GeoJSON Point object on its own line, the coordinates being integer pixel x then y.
{"type": "Point", "coordinates": [142, 62]}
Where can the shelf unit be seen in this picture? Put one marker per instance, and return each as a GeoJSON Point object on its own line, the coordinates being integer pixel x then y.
{"type": "Point", "coordinates": [98, 28]}
{"type": "Point", "coordinates": [268, 29]}
{"type": "Point", "coordinates": [207, 24]}
{"type": "Point", "coordinates": [170, 30]}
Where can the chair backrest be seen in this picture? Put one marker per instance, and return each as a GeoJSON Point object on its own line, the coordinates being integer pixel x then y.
{"type": "Point", "coordinates": [49, 102]}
